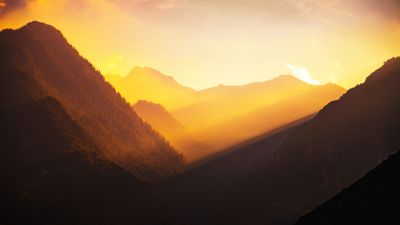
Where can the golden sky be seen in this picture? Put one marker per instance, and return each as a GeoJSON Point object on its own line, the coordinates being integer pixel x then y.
{"type": "Point", "coordinates": [203, 43]}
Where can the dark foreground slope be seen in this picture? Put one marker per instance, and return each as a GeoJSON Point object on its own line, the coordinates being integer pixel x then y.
{"type": "Point", "coordinates": [374, 199]}
{"type": "Point", "coordinates": [51, 174]}
{"type": "Point", "coordinates": [36, 61]}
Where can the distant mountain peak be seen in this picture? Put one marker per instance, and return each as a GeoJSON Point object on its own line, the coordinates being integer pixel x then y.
{"type": "Point", "coordinates": [37, 26]}
{"type": "Point", "coordinates": [36, 23]}
{"type": "Point", "coordinates": [150, 71]}
{"type": "Point", "coordinates": [139, 69]}
{"type": "Point", "coordinates": [150, 105]}
{"type": "Point", "coordinates": [286, 77]}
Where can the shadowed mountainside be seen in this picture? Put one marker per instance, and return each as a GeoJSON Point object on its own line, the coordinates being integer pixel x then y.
{"type": "Point", "coordinates": [371, 200]}
{"type": "Point", "coordinates": [37, 61]}
{"type": "Point", "coordinates": [51, 173]}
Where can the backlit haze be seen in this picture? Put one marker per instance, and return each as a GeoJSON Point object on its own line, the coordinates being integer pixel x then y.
{"type": "Point", "coordinates": [203, 43]}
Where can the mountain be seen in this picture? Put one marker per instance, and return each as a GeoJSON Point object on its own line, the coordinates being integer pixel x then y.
{"type": "Point", "coordinates": [159, 118]}
{"type": "Point", "coordinates": [144, 83]}
{"type": "Point", "coordinates": [224, 116]}
{"type": "Point", "coordinates": [234, 114]}
{"type": "Point", "coordinates": [73, 151]}
{"type": "Point", "coordinates": [162, 121]}
{"type": "Point", "coordinates": [52, 173]}
{"type": "Point", "coordinates": [37, 61]}
{"type": "Point", "coordinates": [371, 200]}
{"type": "Point", "coordinates": [313, 162]}
{"type": "Point", "coordinates": [345, 140]}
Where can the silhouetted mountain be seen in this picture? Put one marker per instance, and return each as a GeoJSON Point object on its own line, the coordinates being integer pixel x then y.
{"type": "Point", "coordinates": [316, 160]}
{"type": "Point", "coordinates": [51, 173]}
{"type": "Point", "coordinates": [371, 200]}
{"type": "Point", "coordinates": [36, 61]}
{"type": "Point", "coordinates": [162, 121]}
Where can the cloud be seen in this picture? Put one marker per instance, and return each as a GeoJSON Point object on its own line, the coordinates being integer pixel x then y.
{"type": "Point", "coordinates": [283, 10]}
{"type": "Point", "coordinates": [386, 9]}
{"type": "Point", "coordinates": [302, 73]}
{"type": "Point", "coordinates": [11, 5]}
{"type": "Point", "coordinates": [2, 5]}
{"type": "Point", "coordinates": [150, 4]}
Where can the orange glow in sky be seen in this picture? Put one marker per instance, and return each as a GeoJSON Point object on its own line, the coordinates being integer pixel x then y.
{"type": "Point", "coordinates": [205, 43]}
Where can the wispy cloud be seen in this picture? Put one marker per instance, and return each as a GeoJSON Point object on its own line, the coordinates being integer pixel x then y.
{"type": "Point", "coordinates": [302, 73]}
{"type": "Point", "coordinates": [151, 4]}
{"type": "Point", "coordinates": [10, 5]}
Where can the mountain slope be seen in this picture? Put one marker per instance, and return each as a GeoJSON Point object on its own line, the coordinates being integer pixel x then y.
{"type": "Point", "coordinates": [162, 121]}
{"type": "Point", "coordinates": [371, 200]}
{"type": "Point", "coordinates": [37, 61]}
{"type": "Point", "coordinates": [159, 118]}
{"type": "Point", "coordinates": [51, 173]}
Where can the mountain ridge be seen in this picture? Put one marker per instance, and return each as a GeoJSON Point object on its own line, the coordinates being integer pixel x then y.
{"type": "Point", "coordinates": [211, 115]}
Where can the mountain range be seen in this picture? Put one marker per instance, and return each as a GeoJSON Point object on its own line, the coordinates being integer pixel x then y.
{"type": "Point", "coordinates": [300, 168]}
{"type": "Point", "coordinates": [224, 116]}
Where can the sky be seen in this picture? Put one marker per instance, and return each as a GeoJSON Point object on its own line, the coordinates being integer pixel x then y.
{"type": "Point", "coordinates": [203, 43]}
